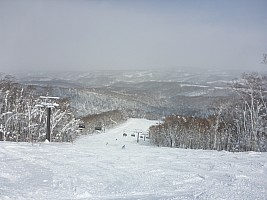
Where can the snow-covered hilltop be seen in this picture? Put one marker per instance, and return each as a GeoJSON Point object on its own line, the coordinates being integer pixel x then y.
{"type": "Point", "coordinates": [96, 167]}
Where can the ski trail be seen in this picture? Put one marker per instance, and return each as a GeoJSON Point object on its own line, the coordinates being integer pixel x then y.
{"type": "Point", "coordinates": [96, 167]}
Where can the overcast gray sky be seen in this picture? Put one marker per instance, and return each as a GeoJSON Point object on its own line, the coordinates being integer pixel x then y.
{"type": "Point", "coordinates": [132, 34]}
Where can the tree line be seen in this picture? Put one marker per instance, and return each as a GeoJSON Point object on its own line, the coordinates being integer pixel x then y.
{"type": "Point", "coordinates": [236, 125]}
{"type": "Point", "coordinates": [103, 121]}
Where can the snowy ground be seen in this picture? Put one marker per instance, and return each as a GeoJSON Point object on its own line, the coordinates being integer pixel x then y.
{"type": "Point", "coordinates": [93, 169]}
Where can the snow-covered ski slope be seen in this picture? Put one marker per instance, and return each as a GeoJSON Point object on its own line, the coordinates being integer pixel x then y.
{"type": "Point", "coordinates": [96, 167]}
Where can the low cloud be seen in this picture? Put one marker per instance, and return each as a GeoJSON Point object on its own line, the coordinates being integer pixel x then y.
{"type": "Point", "coordinates": [85, 35]}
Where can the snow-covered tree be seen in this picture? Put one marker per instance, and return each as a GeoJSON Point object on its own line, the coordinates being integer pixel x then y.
{"type": "Point", "coordinates": [23, 118]}
{"type": "Point", "coordinates": [251, 112]}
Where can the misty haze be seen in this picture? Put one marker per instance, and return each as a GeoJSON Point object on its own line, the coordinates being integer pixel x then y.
{"type": "Point", "coordinates": [132, 99]}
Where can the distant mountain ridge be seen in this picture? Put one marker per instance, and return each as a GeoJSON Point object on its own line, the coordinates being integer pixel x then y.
{"type": "Point", "coordinates": [140, 93]}
{"type": "Point", "coordinates": [112, 77]}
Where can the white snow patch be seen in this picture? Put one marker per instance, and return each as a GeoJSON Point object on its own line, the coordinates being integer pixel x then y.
{"type": "Point", "coordinates": [193, 85]}
{"type": "Point", "coordinates": [46, 141]}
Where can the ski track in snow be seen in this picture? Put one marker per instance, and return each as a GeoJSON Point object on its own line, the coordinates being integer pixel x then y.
{"type": "Point", "coordinates": [92, 169]}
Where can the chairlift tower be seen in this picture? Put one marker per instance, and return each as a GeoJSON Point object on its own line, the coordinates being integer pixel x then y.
{"type": "Point", "coordinates": [48, 104]}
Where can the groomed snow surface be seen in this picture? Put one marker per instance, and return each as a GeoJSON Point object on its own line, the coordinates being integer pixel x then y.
{"type": "Point", "coordinates": [97, 167]}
